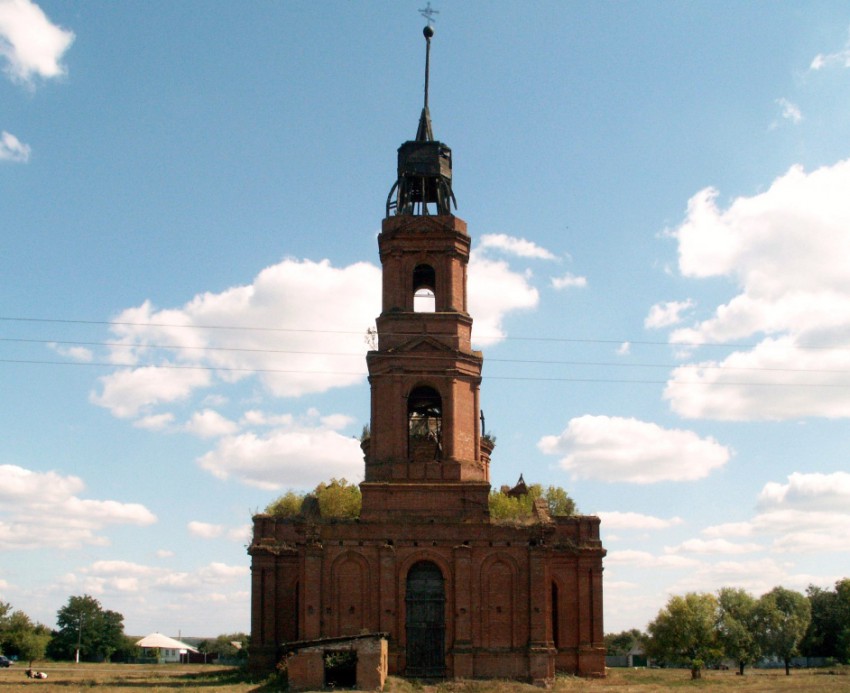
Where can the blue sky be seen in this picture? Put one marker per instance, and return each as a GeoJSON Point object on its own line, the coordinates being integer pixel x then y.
{"type": "Point", "coordinates": [190, 195]}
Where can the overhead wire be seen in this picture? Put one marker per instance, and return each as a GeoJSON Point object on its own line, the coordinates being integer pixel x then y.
{"type": "Point", "coordinates": [360, 354]}
{"type": "Point", "coordinates": [172, 366]}
{"type": "Point", "coordinates": [254, 328]}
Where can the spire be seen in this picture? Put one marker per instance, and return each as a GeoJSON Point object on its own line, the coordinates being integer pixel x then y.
{"type": "Point", "coordinates": [424, 132]}
{"type": "Point", "coordinates": [424, 164]}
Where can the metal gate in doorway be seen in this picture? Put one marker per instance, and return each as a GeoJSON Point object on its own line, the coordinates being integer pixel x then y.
{"type": "Point", "coordinates": [426, 622]}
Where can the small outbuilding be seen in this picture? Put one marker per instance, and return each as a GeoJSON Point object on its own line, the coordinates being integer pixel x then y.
{"type": "Point", "coordinates": [167, 649]}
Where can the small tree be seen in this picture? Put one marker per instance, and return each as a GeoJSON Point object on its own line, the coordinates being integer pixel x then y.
{"type": "Point", "coordinates": [684, 632]}
{"type": "Point", "coordinates": [21, 637]}
{"type": "Point", "coordinates": [339, 499]}
{"type": "Point", "coordinates": [32, 644]}
{"type": "Point", "coordinates": [622, 643]}
{"type": "Point", "coordinates": [782, 618]}
{"type": "Point", "coordinates": [736, 626]}
{"type": "Point", "coordinates": [559, 501]}
{"type": "Point", "coordinates": [505, 507]}
{"type": "Point", "coordinates": [287, 505]}
{"type": "Point", "coordinates": [227, 646]}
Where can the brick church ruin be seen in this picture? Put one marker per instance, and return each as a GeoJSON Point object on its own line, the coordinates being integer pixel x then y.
{"type": "Point", "coordinates": [458, 594]}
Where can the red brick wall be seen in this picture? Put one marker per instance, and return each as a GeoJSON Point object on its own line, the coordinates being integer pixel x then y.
{"type": "Point", "coordinates": [498, 583]}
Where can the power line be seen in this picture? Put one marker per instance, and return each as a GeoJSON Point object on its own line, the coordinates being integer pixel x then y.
{"type": "Point", "coordinates": [250, 328]}
{"type": "Point", "coordinates": [360, 354]}
{"type": "Point", "coordinates": [363, 373]}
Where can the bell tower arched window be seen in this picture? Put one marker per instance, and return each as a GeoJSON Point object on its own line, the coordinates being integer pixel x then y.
{"type": "Point", "coordinates": [424, 289]}
{"type": "Point", "coordinates": [425, 424]}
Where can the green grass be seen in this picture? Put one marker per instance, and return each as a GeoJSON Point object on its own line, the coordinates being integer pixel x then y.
{"type": "Point", "coordinates": [67, 677]}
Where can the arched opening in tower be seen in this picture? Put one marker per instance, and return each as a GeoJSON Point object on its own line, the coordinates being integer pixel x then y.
{"type": "Point", "coordinates": [425, 424]}
{"type": "Point", "coordinates": [424, 289]}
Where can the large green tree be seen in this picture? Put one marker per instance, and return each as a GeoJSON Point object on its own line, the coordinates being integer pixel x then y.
{"type": "Point", "coordinates": [684, 632]}
{"type": "Point", "coordinates": [821, 639]}
{"type": "Point", "coordinates": [782, 618]}
{"type": "Point", "coordinates": [828, 634]}
{"type": "Point", "coordinates": [842, 591]}
{"type": "Point", "coordinates": [736, 626]}
{"type": "Point", "coordinates": [85, 625]}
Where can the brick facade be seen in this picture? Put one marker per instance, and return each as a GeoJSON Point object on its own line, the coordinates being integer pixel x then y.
{"type": "Point", "coordinates": [518, 600]}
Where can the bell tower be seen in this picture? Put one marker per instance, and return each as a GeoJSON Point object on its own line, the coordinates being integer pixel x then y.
{"type": "Point", "coordinates": [451, 591]}
{"type": "Point", "coordinates": [425, 455]}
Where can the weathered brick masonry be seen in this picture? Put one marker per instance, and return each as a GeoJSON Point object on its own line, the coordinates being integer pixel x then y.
{"type": "Point", "coordinates": [459, 595]}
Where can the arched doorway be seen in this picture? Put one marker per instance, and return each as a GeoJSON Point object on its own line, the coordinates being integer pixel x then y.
{"type": "Point", "coordinates": [426, 621]}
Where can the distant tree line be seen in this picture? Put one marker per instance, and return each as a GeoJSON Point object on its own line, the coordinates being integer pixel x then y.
{"type": "Point", "coordinates": [87, 632]}
{"type": "Point", "coordinates": [701, 629]}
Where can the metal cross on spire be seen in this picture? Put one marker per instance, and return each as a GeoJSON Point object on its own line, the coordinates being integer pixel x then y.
{"type": "Point", "coordinates": [429, 13]}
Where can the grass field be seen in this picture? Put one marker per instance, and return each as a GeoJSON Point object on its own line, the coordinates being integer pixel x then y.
{"type": "Point", "coordinates": [68, 677]}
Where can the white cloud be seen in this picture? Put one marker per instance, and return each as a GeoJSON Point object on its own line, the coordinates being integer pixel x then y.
{"type": "Point", "coordinates": [121, 568]}
{"type": "Point", "coordinates": [43, 510]}
{"type": "Point", "coordinates": [755, 576]}
{"type": "Point", "coordinates": [645, 559]}
{"type": "Point", "coordinates": [514, 246]}
{"type": "Point", "coordinates": [298, 456]}
{"type": "Point", "coordinates": [666, 314]}
{"type": "Point", "coordinates": [775, 380]}
{"type": "Point", "coordinates": [790, 111]}
{"type": "Point", "coordinates": [569, 281]}
{"type": "Point", "coordinates": [255, 417]}
{"type": "Point", "coordinates": [12, 149]}
{"type": "Point", "coordinates": [635, 521]}
{"type": "Point", "coordinates": [155, 422]}
{"type": "Point", "coordinates": [616, 449]}
{"type": "Point", "coordinates": [241, 534]}
{"type": "Point", "coordinates": [336, 422]}
{"type": "Point", "coordinates": [78, 353]}
{"type": "Point", "coordinates": [150, 587]}
{"type": "Point", "coordinates": [494, 291]}
{"type": "Point", "coordinates": [787, 250]}
{"type": "Point", "coordinates": [624, 349]}
{"type": "Point", "coordinates": [210, 424]}
{"type": "Point", "coordinates": [31, 45]}
{"type": "Point", "coordinates": [712, 546]}
{"type": "Point", "coordinates": [128, 392]}
{"type": "Point", "coordinates": [205, 530]}
{"type": "Point", "coordinates": [278, 336]}
{"type": "Point", "coordinates": [809, 492]}
{"type": "Point", "coordinates": [809, 514]}
{"type": "Point", "coordinates": [216, 573]}
{"type": "Point", "coordinates": [840, 58]}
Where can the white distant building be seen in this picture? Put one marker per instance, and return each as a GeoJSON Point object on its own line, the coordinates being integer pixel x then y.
{"type": "Point", "coordinates": [168, 650]}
